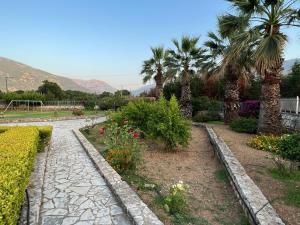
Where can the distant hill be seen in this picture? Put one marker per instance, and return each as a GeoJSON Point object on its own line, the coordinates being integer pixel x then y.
{"type": "Point", "coordinates": [288, 65]}
{"type": "Point", "coordinates": [25, 77]}
{"type": "Point", "coordinates": [145, 88]}
{"type": "Point", "coordinates": [95, 86]}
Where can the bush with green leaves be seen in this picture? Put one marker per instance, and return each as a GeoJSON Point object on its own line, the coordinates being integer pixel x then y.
{"type": "Point", "coordinates": [206, 116]}
{"type": "Point", "coordinates": [289, 147]}
{"type": "Point", "coordinates": [161, 120]}
{"type": "Point", "coordinates": [244, 125]}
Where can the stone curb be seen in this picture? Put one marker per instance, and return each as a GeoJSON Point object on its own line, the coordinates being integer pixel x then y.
{"type": "Point", "coordinates": [253, 201]}
{"type": "Point", "coordinates": [35, 188]}
{"type": "Point", "coordinates": [30, 120]}
{"type": "Point", "coordinates": [136, 209]}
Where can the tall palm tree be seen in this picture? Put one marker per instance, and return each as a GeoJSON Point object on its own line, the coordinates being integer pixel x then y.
{"type": "Point", "coordinates": [154, 68]}
{"type": "Point", "coordinates": [184, 61]}
{"type": "Point", "coordinates": [267, 18]}
{"type": "Point", "coordinates": [236, 69]}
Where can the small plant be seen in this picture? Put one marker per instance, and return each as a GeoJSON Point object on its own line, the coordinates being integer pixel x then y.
{"type": "Point", "coordinates": [77, 112]}
{"type": "Point", "coordinates": [206, 116]}
{"type": "Point", "coordinates": [175, 201]}
{"type": "Point", "coordinates": [244, 125]}
{"type": "Point", "coordinates": [124, 150]}
{"type": "Point", "coordinates": [267, 143]}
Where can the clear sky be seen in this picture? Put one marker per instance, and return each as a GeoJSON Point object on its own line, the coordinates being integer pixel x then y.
{"type": "Point", "coordinates": [104, 39]}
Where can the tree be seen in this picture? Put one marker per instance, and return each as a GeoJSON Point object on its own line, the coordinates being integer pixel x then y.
{"type": "Point", "coordinates": [51, 90]}
{"type": "Point", "coordinates": [122, 93]}
{"type": "Point", "coordinates": [266, 19]}
{"type": "Point", "coordinates": [154, 68]}
{"type": "Point", "coordinates": [184, 62]}
{"type": "Point", "coordinates": [290, 86]}
{"type": "Point", "coordinates": [235, 68]}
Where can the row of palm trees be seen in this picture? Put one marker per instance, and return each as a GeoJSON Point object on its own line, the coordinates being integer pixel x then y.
{"type": "Point", "coordinates": [247, 43]}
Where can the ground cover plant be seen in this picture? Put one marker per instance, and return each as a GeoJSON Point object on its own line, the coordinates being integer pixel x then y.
{"type": "Point", "coordinates": [18, 147]}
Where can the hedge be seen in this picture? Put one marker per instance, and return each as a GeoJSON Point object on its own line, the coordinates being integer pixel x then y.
{"type": "Point", "coordinates": [18, 147]}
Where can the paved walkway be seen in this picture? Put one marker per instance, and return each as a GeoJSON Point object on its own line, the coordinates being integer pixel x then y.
{"type": "Point", "coordinates": [74, 192]}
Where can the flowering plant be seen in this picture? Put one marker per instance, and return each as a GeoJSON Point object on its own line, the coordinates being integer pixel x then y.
{"type": "Point", "coordinates": [176, 201]}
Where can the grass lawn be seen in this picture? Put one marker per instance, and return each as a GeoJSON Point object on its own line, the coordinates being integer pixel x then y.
{"type": "Point", "coordinates": [11, 115]}
{"type": "Point", "coordinates": [210, 197]}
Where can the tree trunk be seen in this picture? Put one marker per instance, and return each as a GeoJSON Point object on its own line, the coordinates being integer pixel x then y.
{"type": "Point", "coordinates": [231, 100]}
{"type": "Point", "coordinates": [185, 100]}
{"type": "Point", "coordinates": [270, 113]}
{"type": "Point", "coordinates": [159, 84]}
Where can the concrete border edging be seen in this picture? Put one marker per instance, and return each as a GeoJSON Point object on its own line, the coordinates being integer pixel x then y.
{"type": "Point", "coordinates": [253, 201]}
{"type": "Point", "coordinates": [136, 209]}
{"type": "Point", "coordinates": [35, 188]}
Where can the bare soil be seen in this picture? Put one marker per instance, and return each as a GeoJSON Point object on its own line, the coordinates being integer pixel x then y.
{"type": "Point", "coordinates": [210, 198]}
{"type": "Point", "coordinates": [257, 165]}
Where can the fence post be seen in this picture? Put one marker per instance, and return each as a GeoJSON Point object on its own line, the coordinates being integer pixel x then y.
{"type": "Point", "coordinates": [297, 105]}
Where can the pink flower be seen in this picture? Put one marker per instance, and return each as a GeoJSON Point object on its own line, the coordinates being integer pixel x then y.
{"type": "Point", "coordinates": [136, 135]}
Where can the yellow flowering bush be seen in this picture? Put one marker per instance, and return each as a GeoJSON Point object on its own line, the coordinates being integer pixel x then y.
{"type": "Point", "coordinates": [175, 201]}
{"type": "Point", "coordinates": [18, 148]}
{"type": "Point", "coordinates": [267, 143]}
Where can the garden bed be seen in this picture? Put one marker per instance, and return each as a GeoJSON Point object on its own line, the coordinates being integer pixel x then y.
{"type": "Point", "coordinates": [283, 192]}
{"type": "Point", "coordinates": [210, 197]}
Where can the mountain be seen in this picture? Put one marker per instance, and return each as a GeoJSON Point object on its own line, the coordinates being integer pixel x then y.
{"type": "Point", "coordinates": [24, 77]}
{"type": "Point", "coordinates": [288, 65]}
{"type": "Point", "coordinates": [145, 88]}
{"type": "Point", "coordinates": [95, 86]}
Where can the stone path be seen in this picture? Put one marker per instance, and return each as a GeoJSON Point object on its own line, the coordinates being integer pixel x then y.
{"type": "Point", "coordinates": [74, 192]}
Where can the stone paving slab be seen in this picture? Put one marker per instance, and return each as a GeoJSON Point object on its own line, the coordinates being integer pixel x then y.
{"type": "Point", "coordinates": [74, 192]}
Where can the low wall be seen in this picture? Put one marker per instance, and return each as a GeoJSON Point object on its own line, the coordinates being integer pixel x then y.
{"type": "Point", "coordinates": [253, 201]}
{"type": "Point", "coordinates": [291, 121]}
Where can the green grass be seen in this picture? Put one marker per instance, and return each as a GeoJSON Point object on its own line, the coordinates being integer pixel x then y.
{"type": "Point", "coordinates": [222, 175]}
{"type": "Point", "coordinates": [292, 186]}
{"type": "Point", "coordinates": [11, 115]}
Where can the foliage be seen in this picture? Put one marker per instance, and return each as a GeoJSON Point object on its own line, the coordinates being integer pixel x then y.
{"type": "Point", "coordinates": [124, 150]}
{"type": "Point", "coordinates": [267, 143]}
{"type": "Point", "coordinates": [290, 86]}
{"type": "Point", "coordinates": [123, 92]}
{"type": "Point", "coordinates": [158, 120]}
{"type": "Point", "coordinates": [250, 108]}
{"type": "Point", "coordinates": [206, 116]}
{"type": "Point", "coordinates": [244, 125]}
{"type": "Point", "coordinates": [51, 90]}
{"type": "Point", "coordinates": [112, 102]}
{"type": "Point", "coordinates": [26, 95]}
{"type": "Point", "coordinates": [18, 147]}
{"type": "Point", "coordinates": [289, 147]}
{"type": "Point", "coordinates": [77, 112]}
{"type": "Point", "coordinates": [175, 201]}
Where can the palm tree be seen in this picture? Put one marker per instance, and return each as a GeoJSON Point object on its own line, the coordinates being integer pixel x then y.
{"type": "Point", "coordinates": [154, 68]}
{"type": "Point", "coordinates": [184, 62]}
{"type": "Point", "coordinates": [267, 18]}
{"type": "Point", "coordinates": [236, 69]}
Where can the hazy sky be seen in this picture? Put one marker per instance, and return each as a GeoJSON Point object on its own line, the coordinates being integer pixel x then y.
{"type": "Point", "coordinates": [104, 39]}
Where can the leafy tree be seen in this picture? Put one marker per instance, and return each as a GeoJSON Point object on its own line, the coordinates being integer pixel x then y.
{"type": "Point", "coordinates": [51, 90]}
{"type": "Point", "coordinates": [122, 93]}
{"type": "Point", "coordinates": [290, 86]}
{"type": "Point", "coordinates": [267, 19]}
{"type": "Point", "coordinates": [184, 62]}
{"type": "Point", "coordinates": [154, 68]}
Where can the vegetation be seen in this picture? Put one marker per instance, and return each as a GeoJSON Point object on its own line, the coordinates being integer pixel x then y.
{"type": "Point", "coordinates": [290, 86]}
{"type": "Point", "coordinates": [160, 120]}
{"type": "Point", "coordinates": [155, 68]}
{"type": "Point", "coordinates": [244, 125]}
{"type": "Point", "coordinates": [271, 18]}
{"type": "Point", "coordinates": [184, 62]}
{"type": "Point", "coordinates": [18, 147]}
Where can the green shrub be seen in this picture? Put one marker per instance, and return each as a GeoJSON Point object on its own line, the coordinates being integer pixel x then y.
{"type": "Point", "coordinates": [112, 102]}
{"type": "Point", "coordinates": [18, 147]}
{"type": "Point", "coordinates": [289, 147]}
{"type": "Point", "coordinates": [206, 116]}
{"type": "Point", "coordinates": [160, 120]}
{"type": "Point", "coordinates": [124, 150]}
{"type": "Point", "coordinates": [77, 112]}
{"type": "Point", "coordinates": [244, 125]}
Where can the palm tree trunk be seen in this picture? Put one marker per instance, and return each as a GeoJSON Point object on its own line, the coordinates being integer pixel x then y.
{"type": "Point", "coordinates": [231, 100]}
{"type": "Point", "coordinates": [159, 84]}
{"type": "Point", "coordinates": [270, 113]}
{"type": "Point", "coordinates": [185, 100]}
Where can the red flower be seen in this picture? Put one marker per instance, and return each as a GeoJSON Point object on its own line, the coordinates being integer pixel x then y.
{"type": "Point", "coordinates": [136, 135]}
{"type": "Point", "coordinates": [102, 130]}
